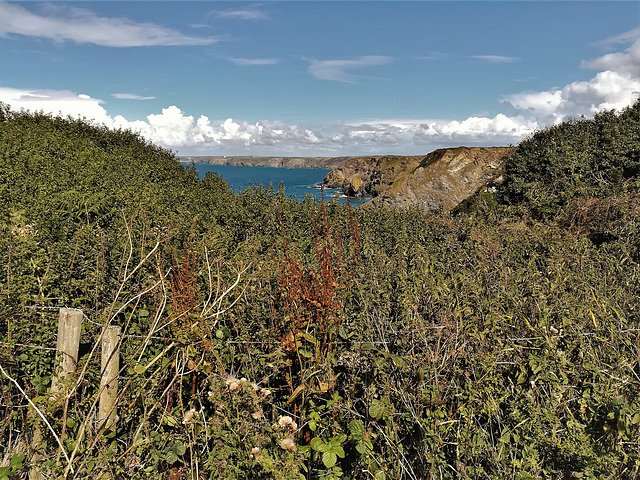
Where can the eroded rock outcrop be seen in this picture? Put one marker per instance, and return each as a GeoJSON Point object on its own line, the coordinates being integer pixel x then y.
{"type": "Point", "coordinates": [368, 176]}
{"type": "Point", "coordinates": [436, 182]}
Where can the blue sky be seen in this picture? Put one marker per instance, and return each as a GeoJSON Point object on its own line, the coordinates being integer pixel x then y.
{"type": "Point", "coordinates": [321, 78]}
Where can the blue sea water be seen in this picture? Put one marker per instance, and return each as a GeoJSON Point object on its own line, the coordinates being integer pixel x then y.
{"type": "Point", "coordinates": [298, 182]}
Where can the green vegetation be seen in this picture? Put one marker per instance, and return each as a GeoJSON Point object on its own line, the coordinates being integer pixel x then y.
{"type": "Point", "coordinates": [586, 158]}
{"type": "Point", "coordinates": [265, 338]}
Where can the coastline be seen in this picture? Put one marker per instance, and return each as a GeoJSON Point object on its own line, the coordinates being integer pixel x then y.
{"type": "Point", "coordinates": [328, 163]}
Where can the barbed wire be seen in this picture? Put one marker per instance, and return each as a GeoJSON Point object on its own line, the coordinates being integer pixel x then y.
{"type": "Point", "coordinates": [277, 342]}
{"type": "Point", "coordinates": [38, 347]}
{"type": "Point", "coordinates": [84, 316]}
{"type": "Point", "coordinates": [40, 307]}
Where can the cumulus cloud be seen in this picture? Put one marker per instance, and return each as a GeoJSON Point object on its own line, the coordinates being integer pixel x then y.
{"type": "Point", "coordinates": [173, 128]}
{"type": "Point", "coordinates": [607, 90]}
{"type": "Point", "coordinates": [83, 26]}
{"type": "Point", "coordinates": [242, 14]}
{"type": "Point", "coordinates": [614, 87]}
{"type": "Point", "coordinates": [340, 70]}
{"type": "Point", "coordinates": [130, 96]}
{"type": "Point", "coordinates": [55, 102]}
{"type": "Point", "coordinates": [496, 58]}
{"type": "Point", "coordinates": [253, 61]}
{"type": "Point", "coordinates": [388, 134]}
{"type": "Point", "coordinates": [483, 128]}
{"type": "Point", "coordinates": [627, 62]}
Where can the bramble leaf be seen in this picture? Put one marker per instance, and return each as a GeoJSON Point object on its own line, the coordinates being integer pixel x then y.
{"type": "Point", "coordinates": [376, 409]}
{"type": "Point", "coordinates": [329, 459]}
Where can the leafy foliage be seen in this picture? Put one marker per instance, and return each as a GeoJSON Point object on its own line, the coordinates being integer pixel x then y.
{"type": "Point", "coordinates": [266, 338]}
{"type": "Point", "coordinates": [586, 158]}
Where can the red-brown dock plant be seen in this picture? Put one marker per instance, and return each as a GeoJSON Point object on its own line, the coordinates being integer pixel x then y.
{"type": "Point", "coordinates": [185, 291]}
{"type": "Point", "coordinates": [313, 299]}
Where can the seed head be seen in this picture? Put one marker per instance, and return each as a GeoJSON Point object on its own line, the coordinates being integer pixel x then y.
{"type": "Point", "coordinates": [258, 414]}
{"type": "Point", "coordinates": [288, 444]}
{"type": "Point", "coordinates": [188, 416]}
{"type": "Point", "coordinates": [284, 421]}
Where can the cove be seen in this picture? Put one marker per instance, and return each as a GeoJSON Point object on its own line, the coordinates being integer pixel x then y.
{"type": "Point", "coordinates": [298, 182]}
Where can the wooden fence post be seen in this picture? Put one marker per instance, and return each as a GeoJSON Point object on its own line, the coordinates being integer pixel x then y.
{"type": "Point", "coordinates": [69, 327]}
{"type": "Point", "coordinates": [107, 411]}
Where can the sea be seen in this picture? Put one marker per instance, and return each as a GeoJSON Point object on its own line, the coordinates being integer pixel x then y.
{"type": "Point", "coordinates": [298, 182]}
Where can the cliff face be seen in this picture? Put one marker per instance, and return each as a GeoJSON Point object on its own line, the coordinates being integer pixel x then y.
{"type": "Point", "coordinates": [435, 182]}
{"type": "Point", "coordinates": [368, 176]}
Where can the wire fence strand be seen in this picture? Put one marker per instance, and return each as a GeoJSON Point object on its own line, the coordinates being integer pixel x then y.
{"type": "Point", "coordinates": [277, 342]}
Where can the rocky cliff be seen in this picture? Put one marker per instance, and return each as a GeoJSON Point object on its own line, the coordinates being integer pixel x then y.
{"type": "Point", "coordinates": [282, 162]}
{"type": "Point", "coordinates": [368, 176]}
{"type": "Point", "coordinates": [436, 182]}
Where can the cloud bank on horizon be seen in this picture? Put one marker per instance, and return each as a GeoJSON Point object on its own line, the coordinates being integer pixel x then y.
{"type": "Point", "coordinates": [615, 85]}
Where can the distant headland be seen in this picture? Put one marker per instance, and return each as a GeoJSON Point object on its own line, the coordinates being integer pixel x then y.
{"type": "Point", "coordinates": [282, 162]}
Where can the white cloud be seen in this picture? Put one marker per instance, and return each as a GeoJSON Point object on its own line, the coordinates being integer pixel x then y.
{"type": "Point", "coordinates": [484, 128]}
{"type": "Point", "coordinates": [82, 26]}
{"type": "Point", "coordinates": [432, 56]}
{"type": "Point", "coordinates": [624, 37]}
{"type": "Point", "coordinates": [242, 14]}
{"type": "Point", "coordinates": [607, 90]}
{"type": "Point", "coordinates": [173, 129]}
{"type": "Point", "coordinates": [55, 102]}
{"type": "Point", "coordinates": [253, 61]}
{"type": "Point", "coordinates": [431, 134]}
{"type": "Point", "coordinates": [340, 70]}
{"type": "Point", "coordinates": [130, 96]}
{"type": "Point", "coordinates": [627, 62]}
{"type": "Point", "coordinates": [496, 58]}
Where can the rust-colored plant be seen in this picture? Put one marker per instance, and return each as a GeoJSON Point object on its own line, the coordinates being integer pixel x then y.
{"type": "Point", "coordinates": [313, 297]}
{"type": "Point", "coordinates": [183, 278]}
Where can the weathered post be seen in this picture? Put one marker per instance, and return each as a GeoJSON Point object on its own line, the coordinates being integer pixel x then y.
{"type": "Point", "coordinates": [107, 411]}
{"type": "Point", "coordinates": [69, 327]}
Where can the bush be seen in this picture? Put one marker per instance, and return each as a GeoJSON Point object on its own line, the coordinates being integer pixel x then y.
{"type": "Point", "coordinates": [265, 338]}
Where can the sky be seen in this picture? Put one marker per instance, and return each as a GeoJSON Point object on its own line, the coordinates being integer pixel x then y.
{"type": "Point", "coordinates": [321, 78]}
